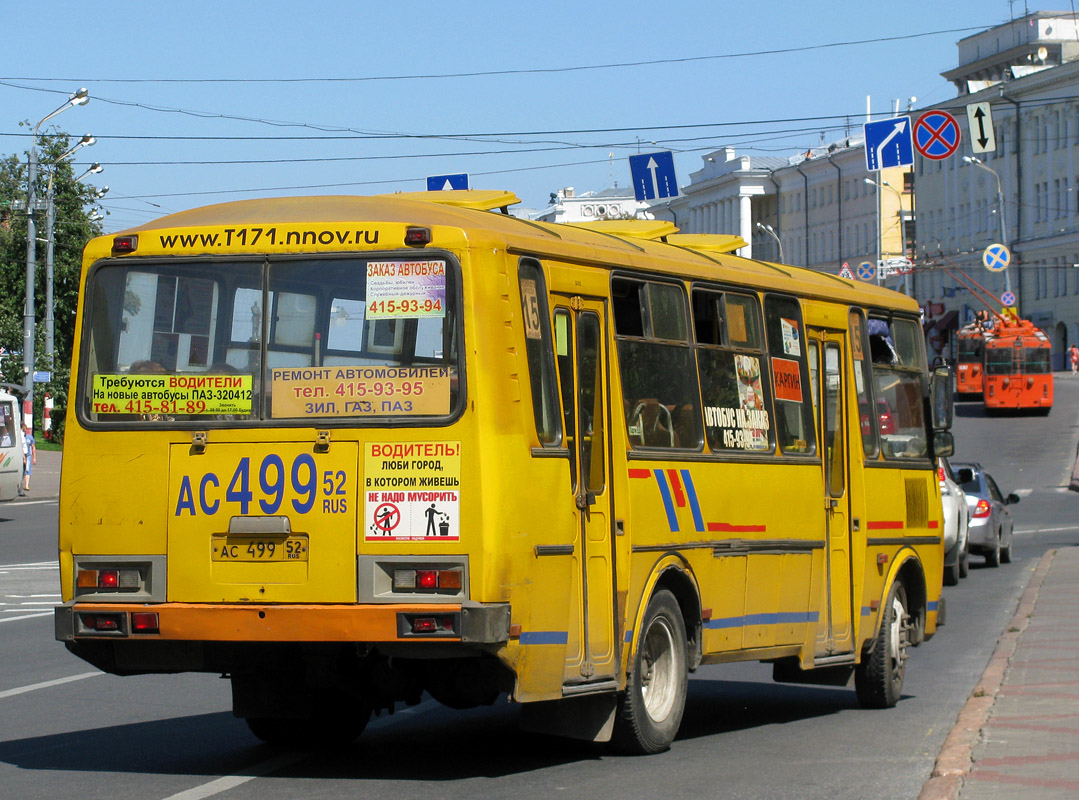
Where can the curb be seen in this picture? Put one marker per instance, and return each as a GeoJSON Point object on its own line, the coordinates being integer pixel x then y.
{"type": "Point", "coordinates": [954, 760]}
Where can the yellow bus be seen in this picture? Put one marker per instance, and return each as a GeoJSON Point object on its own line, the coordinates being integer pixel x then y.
{"type": "Point", "coordinates": [348, 450]}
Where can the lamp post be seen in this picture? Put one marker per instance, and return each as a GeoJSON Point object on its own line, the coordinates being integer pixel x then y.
{"type": "Point", "coordinates": [771, 232]}
{"type": "Point", "coordinates": [50, 243]}
{"type": "Point", "coordinates": [876, 185]}
{"type": "Point", "coordinates": [902, 237]}
{"type": "Point", "coordinates": [79, 98]}
{"type": "Point", "coordinates": [977, 162]}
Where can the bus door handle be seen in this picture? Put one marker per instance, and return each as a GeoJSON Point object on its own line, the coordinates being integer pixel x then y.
{"type": "Point", "coordinates": [586, 499]}
{"type": "Point", "coordinates": [831, 503]}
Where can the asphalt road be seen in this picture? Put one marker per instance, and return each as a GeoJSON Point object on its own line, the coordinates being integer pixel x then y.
{"type": "Point", "coordinates": [70, 732]}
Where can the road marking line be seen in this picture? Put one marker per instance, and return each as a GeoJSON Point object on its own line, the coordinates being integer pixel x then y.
{"type": "Point", "coordinates": [26, 616]}
{"type": "Point", "coordinates": [228, 782]}
{"type": "Point", "coordinates": [33, 687]}
{"type": "Point", "coordinates": [1048, 530]}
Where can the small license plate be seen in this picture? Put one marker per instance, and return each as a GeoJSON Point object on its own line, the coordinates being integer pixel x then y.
{"type": "Point", "coordinates": [259, 548]}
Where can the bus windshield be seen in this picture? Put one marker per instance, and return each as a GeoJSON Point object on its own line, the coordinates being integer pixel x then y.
{"type": "Point", "coordinates": [970, 349]}
{"type": "Point", "coordinates": [1036, 361]}
{"type": "Point", "coordinates": [998, 361]}
{"type": "Point", "coordinates": [329, 338]}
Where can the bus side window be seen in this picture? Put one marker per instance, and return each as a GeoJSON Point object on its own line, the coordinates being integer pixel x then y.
{"type": "Point", "coordinates": [564, 357]}
{"type": "Point", "coordinates": [540, 352]}
{"type": "Point", "coordinates": [787, 350]}
{"type": "Point", "coordinates": [735, 388]}
{"type": "Point", "coordinates": [656, 364]}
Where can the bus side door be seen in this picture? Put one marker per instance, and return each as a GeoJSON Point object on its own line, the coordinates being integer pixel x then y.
{"type": "Point", "coordinates": [827, 358]}
{"type": "Point", "coordinates": [581, 342]}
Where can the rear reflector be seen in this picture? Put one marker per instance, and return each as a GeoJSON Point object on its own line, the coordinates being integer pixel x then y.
{"type": "Point", "coordinates": [101, 622]}
{"type": "Point", "coordinates": [144, 622]}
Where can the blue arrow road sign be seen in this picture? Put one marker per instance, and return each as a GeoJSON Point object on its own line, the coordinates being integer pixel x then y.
{"type": "Point", "coordinates": [888, 143]}
{"type": "Point", "coordinates": [866, 271]}
{"type": "Point", "coordinates": [440, 183]}
{"type": "Point", "coordinates": [653, 175]}
{"type": "Point", "coordinates": [996, 257]}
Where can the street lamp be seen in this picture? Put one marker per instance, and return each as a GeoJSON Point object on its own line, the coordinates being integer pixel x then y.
{"type": "Point", "coordinates": [977, 162]}
{"type": "Point", "coordinates": [79, 98]}
{"type": "Point", "coordinates": [50, 219]}
{"type": "Point", "coordinates": [771, 232]}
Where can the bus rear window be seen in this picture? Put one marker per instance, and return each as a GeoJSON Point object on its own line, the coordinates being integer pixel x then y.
{"type": "Point", "coordinates": [304, 339]}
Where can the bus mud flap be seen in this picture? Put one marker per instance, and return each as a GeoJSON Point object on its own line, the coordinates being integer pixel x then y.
{"type": "Point", "coordinates": [590, 718]}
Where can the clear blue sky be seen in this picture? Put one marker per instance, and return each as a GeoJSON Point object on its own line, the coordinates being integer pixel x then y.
{"type": "Point", "coordinates": [168, 79]}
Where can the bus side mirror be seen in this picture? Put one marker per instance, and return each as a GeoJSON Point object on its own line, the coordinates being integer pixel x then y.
{"type": "Point", "coordinates": [943, 444]}
{"type": "Point", "coordinates": [941, 399]}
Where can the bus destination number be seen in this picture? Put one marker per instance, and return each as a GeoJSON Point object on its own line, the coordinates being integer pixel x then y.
{"type": "Point", "coordinates": [265, 488]}
{"type": "Point", "coordinates": [246, 548]}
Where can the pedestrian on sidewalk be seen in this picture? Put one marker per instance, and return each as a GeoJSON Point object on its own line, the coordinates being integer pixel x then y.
{"type": "Point", "coordinates": [1073, 357]}
{"type": "Point", "coordinates": [29, 458]}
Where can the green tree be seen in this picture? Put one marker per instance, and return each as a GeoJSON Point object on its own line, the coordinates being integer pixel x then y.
{"type": "Point", "coordinates": [72, 229]}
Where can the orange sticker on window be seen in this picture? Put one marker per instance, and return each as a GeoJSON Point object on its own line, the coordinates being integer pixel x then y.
{"type": "Point", "coordinates": [787, 377]}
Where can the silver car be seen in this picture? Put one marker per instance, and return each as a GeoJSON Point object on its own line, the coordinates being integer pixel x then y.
{"type": "Point", "coordinates": [955, 524]}
{"type": "Point", "coordinates": [991, 527]}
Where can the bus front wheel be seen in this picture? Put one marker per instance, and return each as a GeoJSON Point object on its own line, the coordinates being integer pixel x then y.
{"type": "Point", "coordinates": [655, 697]}
{"type": "Point", "coordinates": [879, 678]}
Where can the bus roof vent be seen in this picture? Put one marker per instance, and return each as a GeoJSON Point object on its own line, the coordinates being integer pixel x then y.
{"type": "Point", "coordinates": [708, 242]}
{"type": "Point", "coordinates": [477, 199]}
{"type": "Point", "coordinates": [652, 229]}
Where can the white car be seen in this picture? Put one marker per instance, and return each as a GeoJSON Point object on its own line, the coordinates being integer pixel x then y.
{"type": "Point", "coordinates": [956, 521]}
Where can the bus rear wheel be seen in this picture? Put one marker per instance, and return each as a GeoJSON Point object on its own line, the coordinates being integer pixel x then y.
{"type": "Point", "coordinates": [878, 680]}
{"type": "Point", "coordinates": [655, 697]}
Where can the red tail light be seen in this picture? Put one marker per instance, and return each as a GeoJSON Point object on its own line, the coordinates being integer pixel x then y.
{"type": "Point", "coordinates": [983, 509]}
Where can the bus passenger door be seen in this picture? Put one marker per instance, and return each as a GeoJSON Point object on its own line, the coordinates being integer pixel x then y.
{"type": "Point", "coordinates": [826, 352]}
{"type": "Point", "coordinates": [580, 340]}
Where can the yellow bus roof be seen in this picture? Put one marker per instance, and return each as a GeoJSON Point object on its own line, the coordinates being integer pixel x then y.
{"type": "Point", "coordinates": [653, 245]}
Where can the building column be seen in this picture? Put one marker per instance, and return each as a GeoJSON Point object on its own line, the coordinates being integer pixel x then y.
{"type": "Point", "coordinates": [745, 224]}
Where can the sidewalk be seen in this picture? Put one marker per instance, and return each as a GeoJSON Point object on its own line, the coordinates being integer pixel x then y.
{"type": "Point", "coordinates": [1018, 734]}
{"type": "Point", "coordinates": [45, 479]}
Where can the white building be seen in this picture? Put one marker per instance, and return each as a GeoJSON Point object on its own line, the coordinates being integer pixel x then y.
{"type": "Point", "coordinates": [614, 203]}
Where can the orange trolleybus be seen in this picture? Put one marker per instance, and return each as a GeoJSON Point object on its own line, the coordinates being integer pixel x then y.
{"type": "Point", "coordinates": [1018, 368]}
{"type": "Point", "coordinates": [344, 451]}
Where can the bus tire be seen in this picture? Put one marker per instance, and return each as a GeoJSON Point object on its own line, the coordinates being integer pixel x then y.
{"type": "Point", "coordinates": [878, 680]}
{"type": "Point", "coordinates": [651, 707]}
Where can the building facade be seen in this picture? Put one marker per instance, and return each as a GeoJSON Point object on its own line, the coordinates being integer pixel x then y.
{"type": "Point", "coordinates": [1023, 193]}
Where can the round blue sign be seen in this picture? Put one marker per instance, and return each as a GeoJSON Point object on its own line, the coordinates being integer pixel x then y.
{"type": "Point", "coordinates": [1008, 298]}
{"type": "Point", "coordinates": [866, 271]}
{"type": "Point", "coordinates": [936, 134]}
{"type": "Point", "coordinates": [996, 257]}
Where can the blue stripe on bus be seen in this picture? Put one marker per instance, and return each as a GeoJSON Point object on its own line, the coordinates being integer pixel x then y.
{"type": "Point", "coordinates": [694, 506]}
{"type": "Point", "coordinates": [780, 618]}
{"type": "Point", "coordinates": [932, 605]}
{"type": "Point", "coordinates": [544, 637]}
{"type": "Point", "coordinates": [668, 501]}
{"type": "Point", "coordinates": [866, 611]}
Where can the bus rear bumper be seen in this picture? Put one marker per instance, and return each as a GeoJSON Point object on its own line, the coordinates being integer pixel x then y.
{"type": "Point", "coordinates": [373, 623]}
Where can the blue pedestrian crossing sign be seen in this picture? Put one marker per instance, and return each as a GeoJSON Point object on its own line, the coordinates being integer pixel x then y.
{"type": "Point", "coordinates": [996, 257]}
{"type": "Point", "coordinates": [443, 183]}
{"type": "Point", "coordinates": [866, 271]}
{"type": "Point", "coordinates": [653, 176]}
{"type": "Point", "coordinates": [888, 143]}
